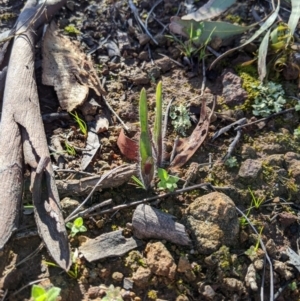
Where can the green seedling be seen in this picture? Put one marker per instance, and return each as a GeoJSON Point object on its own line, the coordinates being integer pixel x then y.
{"type": "Point", "coordinates": [38, 293]}
{"type": "Point", "coordinates": [70, 149]}
{"type": "Point", "coordinates": [297, 133]}
{"type": "Point", "coordinates": [147, 145]}
{"type": "Point", "coordinates": [73, 272]}
{"type": "Point", "coordinates": [113, 294]}
{"type": "Point", "coordinates": [231, 162]}
{"type": "Point", "coordinates": [243, 219]}
{"type": "Point", "coordinates": [166, 181]}
{"type": "Point", "coordinates": [77, 226]}
{"type": "Point", "coordinates": [138, 182]}
{"type": "Point", "coordinates": [256, 202]}
{"type": "Point", "coordinates": [81, 123]}
{"type": "Point", "coordinates": [252, 251]}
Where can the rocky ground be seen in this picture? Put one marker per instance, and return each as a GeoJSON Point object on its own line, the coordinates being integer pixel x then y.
{"type": "Point", "coordinates": [227, 255]}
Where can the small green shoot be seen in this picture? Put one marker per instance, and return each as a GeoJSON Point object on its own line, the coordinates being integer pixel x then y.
{"type": "Point", "coordinates": [113, 294]}
{"type": "Point", "coordinates": [77, 226]}
{"type": "Point", "coordinates": [231, 162]}
{"type": "Point", "coordinates": [73, 272]}
{"type": "Point", "coordinates": [70, 149]}
{"type": "Point", "coordinates": [38, 293]}
{"type": "Point", "coordinates": [166, 181]}
{"type": "Point", "coordinates": [256, 202]}
{"type": "Point", "coordinates": [243, 219]}
{"type": "Point", "coordinates": [252, 251]}
{"type": "Point", "coordinates": [138, 182]}
{"type": "Point", "coordinates": [81, 123]}
{"type": "Point", "coordinates": [297, 133]}
{"type": "Point", "coordinates": [292, 286]}
{"type": "Point", "coordinates": [71, 29]}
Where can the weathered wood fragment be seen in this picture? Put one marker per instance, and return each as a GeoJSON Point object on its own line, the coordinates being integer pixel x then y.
{"type": "Point", "coordinates": [148, 222]}
{"type": "Point", "coordinates": [108, 245]}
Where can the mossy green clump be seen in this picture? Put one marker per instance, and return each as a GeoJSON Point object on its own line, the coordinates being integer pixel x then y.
{"type": "Point", "coordinates": [249, 76]}
{"type": "Point", "coordinates": [7, 16]}
{"type": "Point", "coordinates": [233, 18]}
{"type": "Point", "coordinates": [71, 29]}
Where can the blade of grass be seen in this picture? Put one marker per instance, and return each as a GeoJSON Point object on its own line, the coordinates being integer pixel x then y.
{"type": "Point", "coordinates": [262, 56]}
{"type": "Point", "coordinates": [264, 27]}
{"type": "Point", "coordinates": [147, 162]}
{"type": "Point", "coordinates": [158, 135]}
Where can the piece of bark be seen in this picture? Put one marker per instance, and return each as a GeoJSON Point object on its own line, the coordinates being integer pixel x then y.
{"type": "Point", "coordinates": [92, 146]}
{"type": "Point", "coordinates": [110, 244]}
{"type": "Point", "coordinates": [85, 185]}
{"type": "Point", "coordinates": [68, 69]}
{"type": "Point", "coordinates": [148, 222]}
{"type": "Point", "coordinates": [23, 139]}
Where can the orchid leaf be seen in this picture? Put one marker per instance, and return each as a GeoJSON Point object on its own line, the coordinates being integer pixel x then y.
{"type": "Point", "coordinates": [147, 161]}
{"type": "Point", "coordinates": [211, 29]}
{"type": "Point", "coordinates": [158, 135]}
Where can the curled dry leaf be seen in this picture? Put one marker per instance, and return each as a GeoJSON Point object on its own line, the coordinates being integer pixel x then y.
{"type": "Point", "coordinates": [128, 147]}
{"type": "Point", "coordinates": [188, 146]}
{"type": "Point", "coordinates": [67, 69]}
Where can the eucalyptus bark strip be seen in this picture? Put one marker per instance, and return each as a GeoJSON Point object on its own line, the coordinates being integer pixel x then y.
{"type": "Point", "coordinates": [23, 140]}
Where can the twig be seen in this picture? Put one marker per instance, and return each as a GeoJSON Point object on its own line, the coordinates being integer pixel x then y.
{"type": "Point", "coordinates": [265, 119]}
{"type": "Point", "coordinates": [151, 11]}
{"type": "Point", "coordinates": [72, 215]}
{"type": "Point", "coordinates": [86, 212]}
{"type": "Point", "coordinates": [174, 61]}
{"type": "Point", "coordinates": [136, 15]}
{"type": "Point", "coordinates": [232, 145]}
{"type": "Point", "coordinates": [266, 255]}
{"type": "Point", "coordinates": [112, 110]}
{"type": "Point", "coordinates": [203, 77]}
{"type": "Point", "coordinates": [28, 284]}
{"type": "Point", "coordinates": [154, 198]}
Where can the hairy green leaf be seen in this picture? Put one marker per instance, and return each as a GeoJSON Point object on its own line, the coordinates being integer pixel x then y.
{"type": "Point", "coordinates": [147, 161]}
{"type": "Point", "coordinates": [158, 135]}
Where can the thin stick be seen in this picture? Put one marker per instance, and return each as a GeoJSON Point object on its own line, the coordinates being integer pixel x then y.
{"type": "Point", "coordinates": [151, 11]}
{"type": "Point", "coordinates": [266, 254]}
{"type": "Point", "coordinates": [136, 15]}
{"type": "Point", "coordinates": [28, 284]}
{"type": "Point", "coordinates": [112, 110]}
{"type": "Point", "coordinates": [157, 197]}
{"type": "Point", "coordinates": [265, 119]}
{"type": "Point", "coordinates": [72, 215]}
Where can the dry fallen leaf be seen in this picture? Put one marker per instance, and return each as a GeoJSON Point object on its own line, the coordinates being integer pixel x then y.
{"type": "Point", "coordinates": [68, 69]}
{"type": "Point", "coordinates": [188, 146]}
